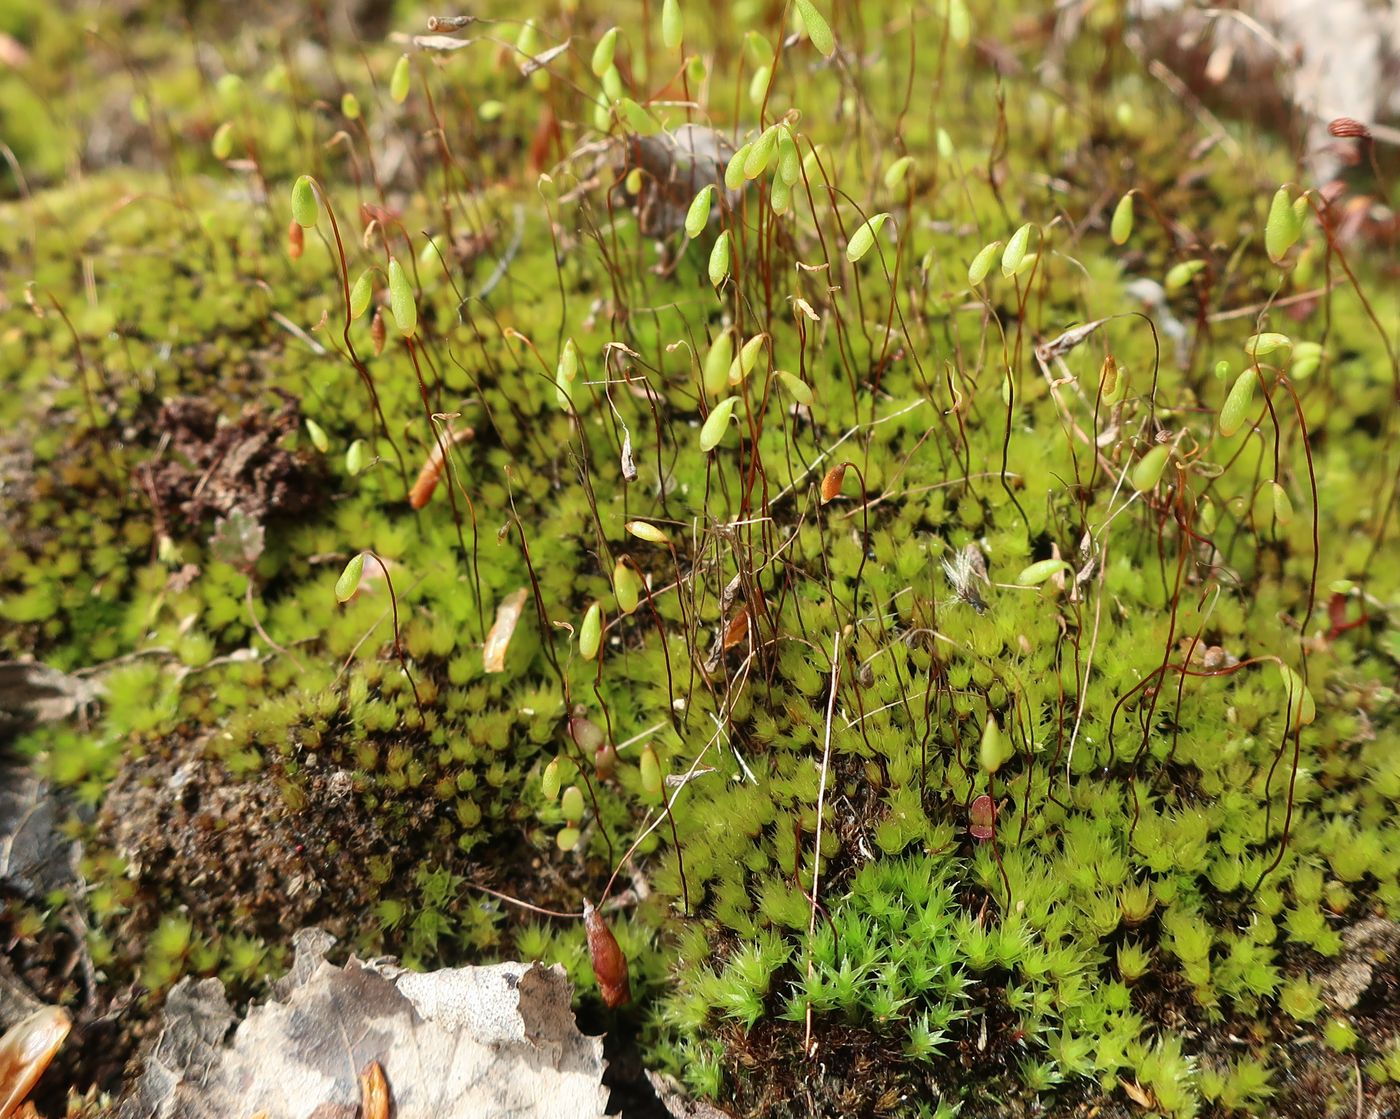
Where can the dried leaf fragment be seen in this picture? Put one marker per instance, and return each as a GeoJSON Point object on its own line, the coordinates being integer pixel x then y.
{"type": "Point", "coordinates": [25, 1052]}
{"type": "Point", "coordinates": [493, 655]}
{"type": "Point", "coordinates": [1063, 343]}
{"type": "Point", "coordinates": [422, 491]}
{"type": "Point", "coordinates": [459, 1043]}
{"type": "Point", "coordinates": [440, 42]}
{"type": "Point", "coordinates": [374, 1092]}
{"type": "Point", "coordinates": [540, 61]}
{"type": "Point", "coordinates": [737, 631]}
{"type": "Point", "coordinates": [1138, 1094]}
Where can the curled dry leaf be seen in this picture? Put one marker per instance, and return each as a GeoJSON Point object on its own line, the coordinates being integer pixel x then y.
{"type": "Point", "coordinates": [440, 42]}
{"type": "Point", "coordinates": [737, 631]}
{"type": "Point", "coordinates": [423, 488]}
{"type": "Point", "coordinates": [1062, 344]}
{"type": "Point", "coordinates": [508, 613]}
{"type": "Point", "coordinates": [25, 1052]}
{"type": "Point", "coordinates": [609, 964]}
{"type": "Point", "coordinates": [629, 463]}
{"type": "Point", "coordinates": [540, 61]}
{"type": "Point", "coordinates": [964, 571]}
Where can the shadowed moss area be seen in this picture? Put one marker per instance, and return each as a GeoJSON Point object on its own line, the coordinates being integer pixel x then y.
{"type": "Point", "coordinates": [954, 561]}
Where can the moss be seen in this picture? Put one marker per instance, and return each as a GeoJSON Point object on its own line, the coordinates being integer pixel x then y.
{"type": "Point", "coordinates": [1136, 902]}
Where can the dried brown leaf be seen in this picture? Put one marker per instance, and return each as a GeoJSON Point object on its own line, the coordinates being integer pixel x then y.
{"type": "Point", "coordinates": [426, 483]}
{"type": "Point", "coordinates": [455, 1044]}
{"type": "Point", "coordinates": [440, 42]}
{"type": "Point", "coordinates": [374, 1092]}
{"type": "Point", "coordinates": [1062, 344]}
{"type": "Point", "coordinates": [540, 61]}
{"type": "Point", "coordinates": [493, 655]}
{"type": "Point", "coordinates": [25, 1052]}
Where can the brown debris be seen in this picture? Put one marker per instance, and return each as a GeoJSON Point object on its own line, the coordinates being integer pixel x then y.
{"type": "Point", "coordinates": [238, 852]}
{"type": "Point", "coordinates": [208, 466]}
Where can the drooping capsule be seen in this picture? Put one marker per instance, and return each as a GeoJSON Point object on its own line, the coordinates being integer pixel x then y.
{"type": "Point", "coordinates": [398, 83]}
{"type": "Point", "coordinates": [349, 581]}
{"type": "Point", "coordinates": [1014, 255]}
{"type": "Point", "coordinates": [1121, 227]}
{"type": "Point", "coordinates": [831, 482]}
{"type": "Point", "coordinates": [717, 423]}
{"type": "Point", "coordinates": [863, 239]}
{"type": "Point", "coordinates": [1148, 472]}
{"type": "Point", "coordinates": [590, 632]}
{"type": "Point", "coordinates": [1236, 406]}
{"type": "Point", "coordinates": [627, 586]}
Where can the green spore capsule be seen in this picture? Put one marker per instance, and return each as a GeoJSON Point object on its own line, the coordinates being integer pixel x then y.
{"type": "Point", "coordinates": [603, 53]}
{"type": "Point", "coordinates": [651, 771]}
{"type": "Point", "coordinates": [1121, 227]}
{"type": "Point", "coordinates": [982, 263]}
{"type": "Point", "coordinates": [349, 581]}
{"type": "Point", "coordinates": [1237, 403]}
{"type": "Point", "coordinates": [399, 81]}
{"type": "Point", "coordinates": [717, 423]}
{"type": "Point", "coordinates": [818, 30]}
{"type": "Point", "coordinates": [590, 632]}
{"type": "Point", "coordinates": [1148, 472]}
{"type": "Point", "coordinates": [305, 209]}
{"type": "Point", "coordinates": [361, 293]}
{"type": "Point", "coordinates": [401, 301]}
{"type": "Point", "coordinates": [863, 239]}
{"type": "Point", "coordinates": [550, 780]}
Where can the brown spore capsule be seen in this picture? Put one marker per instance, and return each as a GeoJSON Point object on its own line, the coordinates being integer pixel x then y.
{"type": "Point", "coordinates": [609, 964]}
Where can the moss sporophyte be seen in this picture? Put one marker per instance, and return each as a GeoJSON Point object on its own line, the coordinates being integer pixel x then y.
{"type": "Point", "coordinates": [889, 557]}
